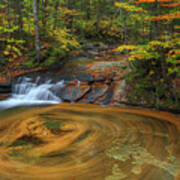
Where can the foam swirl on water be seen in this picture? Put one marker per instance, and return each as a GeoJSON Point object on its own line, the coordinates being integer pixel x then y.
{"type": "Point", "coordinates": [80, 142]}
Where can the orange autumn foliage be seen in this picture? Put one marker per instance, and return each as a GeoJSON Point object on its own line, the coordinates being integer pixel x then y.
{"type": "Point", "coordinates": [151, 1]}
{"type": "Point", "coordinates": [170, 5]}
{"type": "Point", "coordinates": [166, 16]}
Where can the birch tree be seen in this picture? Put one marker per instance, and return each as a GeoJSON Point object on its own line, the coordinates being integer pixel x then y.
{"type": "Point", "coordinates": [36, 28]}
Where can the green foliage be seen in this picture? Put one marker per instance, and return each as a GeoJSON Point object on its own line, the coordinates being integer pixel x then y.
{"type": "Point", "coordinates": [154, 65]}
{"type": "Point", "coordinates": [60, 43]}
{"type": "Point", "coordinates": [104, 30]}
{"type": "Point", "coordinates": [53, 55]}
{"type": "Point", "coordinates": [130, 7]}
{"type": "Point", "coordinates": [67, 41]}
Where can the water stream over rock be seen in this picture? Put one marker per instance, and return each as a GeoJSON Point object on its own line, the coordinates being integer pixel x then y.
{"type": "Point", "coordinates": [29, 92]}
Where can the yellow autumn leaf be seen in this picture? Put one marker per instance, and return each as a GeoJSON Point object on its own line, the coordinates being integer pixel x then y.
{"type": "Point", "coordinates": [6, 52]}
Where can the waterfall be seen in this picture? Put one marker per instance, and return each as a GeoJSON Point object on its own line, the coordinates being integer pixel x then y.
{"type": "Point", "coordinates": [29, 92]}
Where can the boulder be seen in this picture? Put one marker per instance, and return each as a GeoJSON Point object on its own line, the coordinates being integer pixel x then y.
{"type": "Point", "coordinates": [73, 92]}
{"type": "Point", "coordinates": [85, 77]}
{"type": "Point", "coordinates": [93, 52]}
{"type": "Point", "coordinates": [107, 98]}
{"type": "Point", "coordinates": [103, 46]}
{"type": "Point", "coordinates": [98, 90]}
{"type": "Point", "coordinates": [89, 46]}
{"type": "Point", "coordinates": [119, 92]}
{"type": "Point", "coordinates": [5, 84]}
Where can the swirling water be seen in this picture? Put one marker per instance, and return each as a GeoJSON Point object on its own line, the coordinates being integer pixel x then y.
{"type": "Point", "coordinates": [80, 142]}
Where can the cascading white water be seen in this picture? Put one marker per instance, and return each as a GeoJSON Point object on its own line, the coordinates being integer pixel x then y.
{"type": "Point", "coordinates": [25, 92]}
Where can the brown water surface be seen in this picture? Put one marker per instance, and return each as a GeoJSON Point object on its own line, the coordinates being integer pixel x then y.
{"type": "Point", "coordinates": [88, 142]}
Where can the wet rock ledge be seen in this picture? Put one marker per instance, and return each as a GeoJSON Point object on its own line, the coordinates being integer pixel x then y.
{"type": "Point", "coordinates": [94, 82]}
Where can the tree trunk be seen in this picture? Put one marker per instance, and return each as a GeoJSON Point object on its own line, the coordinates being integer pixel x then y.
{"type": "Point", "coordinates": [56, 14]}
{"type": "Point", "coordinates": [125, 27]}
{"type": "Point", "coordinates": [87, 4]}
{"type": "Point", "coordinates": [44, 16]}
{"type": "Point", "coordinates": [70, 5]}
{"type": "Point", "coordinates": [175, 89]}
{"type": "Point", "coordinates": [8, 18]}
{"type": "Point", "coordinates": [151, 31]}
{"type": "Point", "coordinates": [172, 28]}
{"type": "Point", "coordinates": [36, 27]}
{"type": "Point", "coordinates": [20, 20]}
